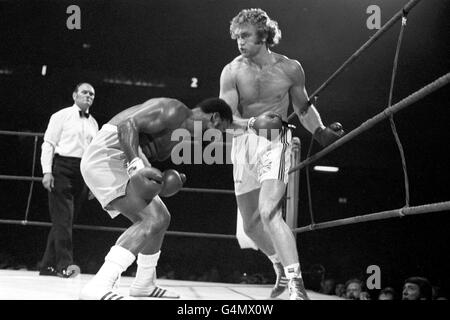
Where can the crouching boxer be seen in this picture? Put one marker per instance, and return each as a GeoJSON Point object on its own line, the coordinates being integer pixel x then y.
{"type": "Point", "coordinates": [117, 168]}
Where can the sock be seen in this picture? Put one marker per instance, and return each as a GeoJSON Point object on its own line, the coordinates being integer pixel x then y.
{"type": "Point", "coordinates": [274, 258]}
{"type": "Point", "coordinates": [117, 261]}
{"type": "Point", "coordinates": [146, 271]}
{"type": "Point", "coordinates": [293, 271]}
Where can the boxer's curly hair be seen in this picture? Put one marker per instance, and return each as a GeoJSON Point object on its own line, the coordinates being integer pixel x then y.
{"type": "Point", "coordinates": [260, 19]}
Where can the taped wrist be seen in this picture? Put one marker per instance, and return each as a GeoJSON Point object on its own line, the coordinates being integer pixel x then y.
{"type": "Point", "coordinates": [134, 166]}
{"type": "Point", "coordinates": [250, 123]}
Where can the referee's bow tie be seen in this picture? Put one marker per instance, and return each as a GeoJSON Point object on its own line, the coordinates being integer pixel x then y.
{"type": "Point", "coordinates": [84, 114]}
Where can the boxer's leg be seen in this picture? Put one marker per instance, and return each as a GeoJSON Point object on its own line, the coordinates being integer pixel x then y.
{"type": "Point", "coordinates": [271, 194]}
{"type": "Point", "coordinates": [148, 226]}
{"type": "Point", "coordinates": [254, 228]}
{"type": "Point", "coordinates": [156, 222]}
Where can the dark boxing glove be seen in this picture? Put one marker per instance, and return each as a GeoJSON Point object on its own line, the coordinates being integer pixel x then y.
{"type": "Point", "coordinates": [146, 183]}
{"type": "Point", "coordinates": [172, 182]}
{"type": "Point", "coordinates": [329, 134]}
{"type": "Point", "coordinates": [267, 125]}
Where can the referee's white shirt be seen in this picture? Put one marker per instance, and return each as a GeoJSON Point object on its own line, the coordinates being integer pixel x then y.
{"type": "Point", "coordinates": [68, 134]}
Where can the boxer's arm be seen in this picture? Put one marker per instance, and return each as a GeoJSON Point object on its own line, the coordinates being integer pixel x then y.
{"type": "Point", "coordinates": [129, 138]}
{"type": "Point", "coordinates": [128, 133]}
{"type": "Point", "coordinates": [151, 120]}
{"type": "Point", "coordinates": [229, 93]}
{"type": "Point", "coordinates": [308, 115]}
{"type": "Point", "coordinates": [147, 119]}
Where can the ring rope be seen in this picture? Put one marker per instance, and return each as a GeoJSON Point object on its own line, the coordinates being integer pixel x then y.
{"type": "Point", "coordinates": [20, 178]}
{"type": "Point", "coordinates": [412, 98]}
{"type": "Point", "coordinates": [391, 117]}
{"type": "Point", "coordinates": [206, 190]}
{"type": "Point", "coordinates": [24, 134]}
{"type": "Point", "coordinates": [411, 4]}
{"type": "Point", "coordinates": [427, 208]}
{"type": "Point", "coordinates": [401, 212]}
{"type": "Point", "coordinates": [117, 229]}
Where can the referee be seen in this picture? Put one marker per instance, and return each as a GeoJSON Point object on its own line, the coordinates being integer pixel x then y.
{"type": "Point", "coordinates": [69, 132]}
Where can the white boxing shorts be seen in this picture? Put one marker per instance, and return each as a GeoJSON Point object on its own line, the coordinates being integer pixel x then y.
{"type": "Point", "coordinates": [256, 159]}
{"type": "Point", "coordinates": [103, 167]}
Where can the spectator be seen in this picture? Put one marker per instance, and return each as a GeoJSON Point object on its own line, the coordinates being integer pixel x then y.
{"type": "Point", "coordinates": [417, 288]}
{"type": "Point", "coordinates": [339, 290]}
{"type": "Point", "coordinates": [387, 293]}
{"type": "Point", "coordinates": [354, 290]}
{"type": "Point", "coordinates": [328, 286]}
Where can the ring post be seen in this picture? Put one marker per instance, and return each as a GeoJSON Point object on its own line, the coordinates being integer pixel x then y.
{"type": "Point", "coordinates": [293, 187]}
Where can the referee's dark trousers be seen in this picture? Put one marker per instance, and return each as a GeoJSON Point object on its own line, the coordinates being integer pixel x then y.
{"type": "Point", "coordinates": [65, 201]}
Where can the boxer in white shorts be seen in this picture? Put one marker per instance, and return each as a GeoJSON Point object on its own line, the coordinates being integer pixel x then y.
{"type": "Point", "coordinates": [116, 168]}
{"type": "Point", "coordinates": [255, 82]}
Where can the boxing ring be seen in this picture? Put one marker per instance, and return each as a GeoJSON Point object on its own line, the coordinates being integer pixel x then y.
{"type": "Point", "coordinates": [28, 285]}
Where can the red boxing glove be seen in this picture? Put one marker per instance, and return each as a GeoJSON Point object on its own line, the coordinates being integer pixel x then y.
{"type": "Point", "coordinates": [172, 182]}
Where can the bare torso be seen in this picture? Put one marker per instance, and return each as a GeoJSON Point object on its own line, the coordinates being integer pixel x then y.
{"type": "Point", "coordinates": [156, 143]}
{"type": "Point", "coordinates": [264, 88]}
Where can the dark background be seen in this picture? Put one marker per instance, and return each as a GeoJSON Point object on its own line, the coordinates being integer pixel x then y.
{"type": "Point", "coordinates": [172, 41]}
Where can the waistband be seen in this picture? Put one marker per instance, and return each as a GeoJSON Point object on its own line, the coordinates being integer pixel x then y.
{"type": "Point", "coordinates": [285, 131]}
{"type": "Point", "coordinates": [58, 156]}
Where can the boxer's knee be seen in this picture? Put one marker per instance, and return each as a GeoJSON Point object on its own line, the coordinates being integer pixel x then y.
{"type": "Point", "coordinates": [252, 224]}
{"type": "Point", "coordinates": [162, 222]}
{"type": "Point", "coordinates": [269, 212]}
{"type": "Point", "coordinates": [156, 223]}
{"type": "Point", "coordinates": [250, 227]}
{"type": "Point", "coordinates": [266, 215]}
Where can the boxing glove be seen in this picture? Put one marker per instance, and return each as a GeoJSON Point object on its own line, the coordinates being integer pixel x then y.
{"type": "Point", "coordinates": [329, 134]}
{"type": "Point", "coordinates": [146, 183]}
{"type": "Point", "coordinates": [172, 182]}
{"type": "Point", "coordinates": [267, 125]}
